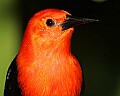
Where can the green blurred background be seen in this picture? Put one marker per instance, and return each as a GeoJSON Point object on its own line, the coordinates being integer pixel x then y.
{"type": "Point", "coordinates": [96, 45]}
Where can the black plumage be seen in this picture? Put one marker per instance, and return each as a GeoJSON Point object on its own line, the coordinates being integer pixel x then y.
{"type": "Point", "coordinates": [11, 84]}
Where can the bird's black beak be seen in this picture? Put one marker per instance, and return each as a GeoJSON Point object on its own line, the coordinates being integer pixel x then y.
{"type": "Point", "coordinates": [73, 21]}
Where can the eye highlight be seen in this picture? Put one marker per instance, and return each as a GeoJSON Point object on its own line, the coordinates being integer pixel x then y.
{"type": "Point", "coordinates": [50, 22]}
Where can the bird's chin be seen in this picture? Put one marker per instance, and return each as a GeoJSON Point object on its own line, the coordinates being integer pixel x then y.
{"type": "Point", "coordinates": [71, 29]}
{"type": "Point", "coordinates": [67, 33]}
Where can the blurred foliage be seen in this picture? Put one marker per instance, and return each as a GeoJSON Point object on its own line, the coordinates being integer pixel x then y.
{"type": "Point", "coordinates": [9, 37]}
{"type": "Point", "coordinates": [99, 1]}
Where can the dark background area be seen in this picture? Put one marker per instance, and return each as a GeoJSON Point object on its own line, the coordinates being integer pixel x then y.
{"type": "Point", "coordinates": [96, 45]}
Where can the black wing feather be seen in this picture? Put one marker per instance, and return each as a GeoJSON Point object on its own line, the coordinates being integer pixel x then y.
{"type": "Point", "coordinates": [11, 84]}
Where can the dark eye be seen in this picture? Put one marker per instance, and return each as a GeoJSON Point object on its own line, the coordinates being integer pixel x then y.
{"type": "Point", "coordinates": [50, 22]}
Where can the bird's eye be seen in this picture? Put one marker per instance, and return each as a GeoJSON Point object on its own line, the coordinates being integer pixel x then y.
{"type": "Point", "coordinates": [50, 22]}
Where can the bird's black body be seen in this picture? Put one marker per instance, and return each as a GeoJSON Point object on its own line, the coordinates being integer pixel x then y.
{"type": "Point", "coordinates": [11, 84]}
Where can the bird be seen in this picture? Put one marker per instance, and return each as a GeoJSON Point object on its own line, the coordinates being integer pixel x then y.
{"type": "Point", "coordinates": [44, 65]}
